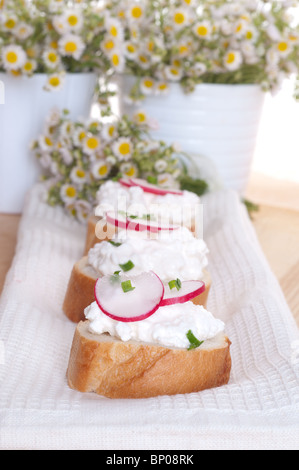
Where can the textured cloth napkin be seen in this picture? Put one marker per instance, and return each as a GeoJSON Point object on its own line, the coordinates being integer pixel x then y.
{"type": "Point", "coordinates": [258, 409]}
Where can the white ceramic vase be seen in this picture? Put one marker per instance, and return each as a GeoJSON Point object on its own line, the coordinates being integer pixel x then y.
{"type": "Point", "coordinates": [217, 122]}
{"type": "Point", "coordinates": [22, 117]}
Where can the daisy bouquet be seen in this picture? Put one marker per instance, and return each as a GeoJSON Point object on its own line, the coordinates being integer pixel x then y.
{"type": "Point", "coordinates": [77, 157]}
{"type": "Point", "coordinates": [51, 37]}
{"type": "Point", "coordinates": [206, 41]}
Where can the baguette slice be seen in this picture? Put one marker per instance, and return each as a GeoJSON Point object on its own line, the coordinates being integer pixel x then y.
{"type": "Point", "coordinates": [117, 369]}
{"type": "Point", "coordinates": [80, 290]}
{"type": "Point", "coordinates": [98, 231]}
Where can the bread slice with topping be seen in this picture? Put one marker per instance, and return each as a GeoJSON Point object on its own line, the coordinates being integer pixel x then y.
{"type": "Point", "coordinates": [112, 368]}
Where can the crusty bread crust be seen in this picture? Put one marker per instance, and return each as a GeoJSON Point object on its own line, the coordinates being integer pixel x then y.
{"type": "Point", "coordinates": [80, 290]}
{"type": "Point", "coordinates": [116, 369]}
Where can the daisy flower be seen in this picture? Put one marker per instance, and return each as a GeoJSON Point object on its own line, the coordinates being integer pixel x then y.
{"type": "Point", "coordinates": [114, 29]}
{"type": "Point", "coordinates": [83, 210]}
{"type": "Point", "coordinates": [232, 59]}
{"type": "Point", "coordinates": [130, 49]}
{"type": "Point", "coordinates": [78, 175]}
{"type": "Point", "coordinates": [68, 193]}
{"type": "Point", "coordinates": [100, 169]}
{"type": "Point", "coordinates": [109, 132]}
{"type": "Point", "coordinates": [283, 48]}
{"type": "Point", "coordinates": [117, 60]}
{"type": "Point", "coordinates": [91, 144]}
{"type": "Point", "coordinates": [180, 18]}
{"type": "Point", "coordinates": [123, 148]}
{"type": "Point", "coordinates": [51, 58]}
{"type": "Point", "coordinates": [140, 117]}
{"type": "Point", "coordinates": [240, 28]}
{"type": "Point", "coordinates": [9, 22]}
{"type": "Point", "coordinates": [108, 45]}
{"type": "Point", "coordinates": [129, 169]}
{"type": "Point", "coordinates": [79, 136]}
{"type": "Point", "coordinates": [60, 25]}
{"type": "Point", "coordinates": [23, 31]}
{"type": "Point", "coordinates": [166, 180]}
{"type": "Point", "coordinates": [173, 73]}
{"type": "Point", "coordinates": [55, 82]}
{"type": "Point", "coordinates": [143, 60]}
{"type": "Point", "coordinates": [147, 85]}
{"type": "Point", "coordinates": [29, 67]}
{"type": "Point", "coordinates": [202, 30]}
{"type": "Point", "coordinates": [46, 142]}
{"type": "Point", "coordinates": [135, 12]}
{"type": "Point", "coordinates": [13, 57]}
{"type": "Point", "coordinates": [71, 45]}
{"type": "Point", "coordinates": [73, 19]}
{"type": "Point", "coordinates": [160, 166]}
{"type": "Point", "coordinates": [162, 88]}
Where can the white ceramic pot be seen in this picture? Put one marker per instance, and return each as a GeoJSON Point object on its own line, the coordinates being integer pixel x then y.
{"type": "Point", "coordinates": [22, 118]}
{"type": "Point", "coordinates": [218, 122]}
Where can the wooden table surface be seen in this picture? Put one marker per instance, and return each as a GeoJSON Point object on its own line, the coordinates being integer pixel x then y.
{"type": "Point", "coordinates": [276, 224]}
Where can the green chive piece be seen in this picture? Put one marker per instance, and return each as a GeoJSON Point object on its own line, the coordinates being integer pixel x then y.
{"type": "Point", "coordinates": [127, 286]}
{"type": "Point", "coordinates": [115, 277]}
{"type": "Point", "coordinates": [194, 342]}
{"type": "Point", "coordinates": [176, 283]}
{"type": "Point", "coordinates": [127, 266]}
{"type": "Point", "coordinates": [133, 217]}
{"type": "Point", "coordinates": [152, 179]}
{"type": "Point", "coordinates": [116, 244]}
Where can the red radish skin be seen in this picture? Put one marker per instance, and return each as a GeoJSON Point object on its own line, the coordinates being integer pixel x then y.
{"type": "Point", "coordinates": [156, 285]}
{"type": "Point", "coordinates": [125, 182]}
{"type": "Point", "coordinates": [153, 189]}
{"type": "Point", "coordinates": [191, 288]}
{"type": "Point", "coordinates": [136, 224]}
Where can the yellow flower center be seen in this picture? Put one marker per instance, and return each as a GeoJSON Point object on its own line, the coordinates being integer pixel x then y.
{"type": "Point", "coordinates": [124, 148]}
{"type": "Point", "coordinates": [136, 12]}
{"type": "Point", "coordinates": [54, 81]}
{"type": "Point", "coordinates": [131, 48]}
{"type": "Point", "coordinates": [143, 59]}
{"type": "Point", "coordinates": [131, 172]}
{"type": "Point", "coordinates": [183, 49]}
{"type": "Point", "coordinates": [163, 86]}
{"type": "Point", "coordinates": [92, 143]}
{"type": "Point", "coordinates": [80, 173]}
{"type": "Point", "coordinates": [148, 83]}
{"type": "Point", "coordinates": [103, 170]}
{"type": "Point", "coordinates": [230, 58]}
{"type": "Point", "coordinates": [179, 18]}
{"type": "Point", "coordinates": [28, 66]}
{"type": "Point", "coordinates": [10, 23]}
{"type": "Point", "coordinates": [82, 136]}
{"type": "Point", "coordinates": [111, 131]}
{"type": "Point", "coordinates": [70, 47]}
{"type": "Point", "coordinates": [202, 30]}
{"type": "Point", "coordinates": [70, 191]}
{"type": "Point", "coordinates": [109, 45]}
{"type": "Point", "coordinates": [239, 28]}
{"type": "Point", "coordinates": [52, 57]}
{"type": "Point", "coordinates": [48, 141]}
{"type": "Point", "coordinates": [115, 60]}
{"type": "Point", "coordinates": [282, 46]}
{"type": "Point", "coordinates": [114, 31]}
{"type": "Point", "coordinates": [73, 20]}
{"type": "Point", "coordinates": [249, 35]}
{"type": "Point", "coordinates": [141, 117]}
{"type": "Point", "coordinates": [11, 57]}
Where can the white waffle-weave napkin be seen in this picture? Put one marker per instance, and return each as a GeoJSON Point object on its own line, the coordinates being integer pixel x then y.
{"type": "Point", "coordinates": [258, 409]}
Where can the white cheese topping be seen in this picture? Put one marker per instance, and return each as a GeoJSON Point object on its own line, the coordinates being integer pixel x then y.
{"type": "Point", "coordinates": [180, 209]}
{"type": "Point", "coordinates": [168, 326]}
{"type": "Point", "coordinates": [175, 254]}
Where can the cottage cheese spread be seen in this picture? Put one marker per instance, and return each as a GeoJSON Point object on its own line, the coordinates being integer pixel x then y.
{"type": "Point", "coordinates": [168, 326]}
{"type": "Point", "coordinates": [180, 209]}
{"type": "Point", "coordinates": [175, 254]}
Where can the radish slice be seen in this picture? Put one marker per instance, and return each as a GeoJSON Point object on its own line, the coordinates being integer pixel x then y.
{"type": "Point", "coordinates": [117, 219]}
{"type": "Point", "coordinates": [153, 189]}
{"type": "Point", "coordinates": [137, 224]}
{"type": "Point", "coordinates": [125, 182]}
{"type": "Point", "coordinates": [128, 305]}
{"type": "Point", "coordinates": [188, 291]}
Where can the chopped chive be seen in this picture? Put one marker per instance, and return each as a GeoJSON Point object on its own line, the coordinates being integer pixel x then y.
{"type": "Point", "coordinates": [176, 283]}
{"type": "Point", "coordinates": [194, 342]}
{"type": "Point", "coordinates": [116, 244]}
{"type": "Point", "coordinates": [115, 277]}
{"type": "Point", "coordinates": [127, 266]}
{"type": "Point", "coordinates": [152, 179]}
{"type": "Point", "coordinates": [127, 286]}
{"type": "Point", "coordinates": [133, 217]}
